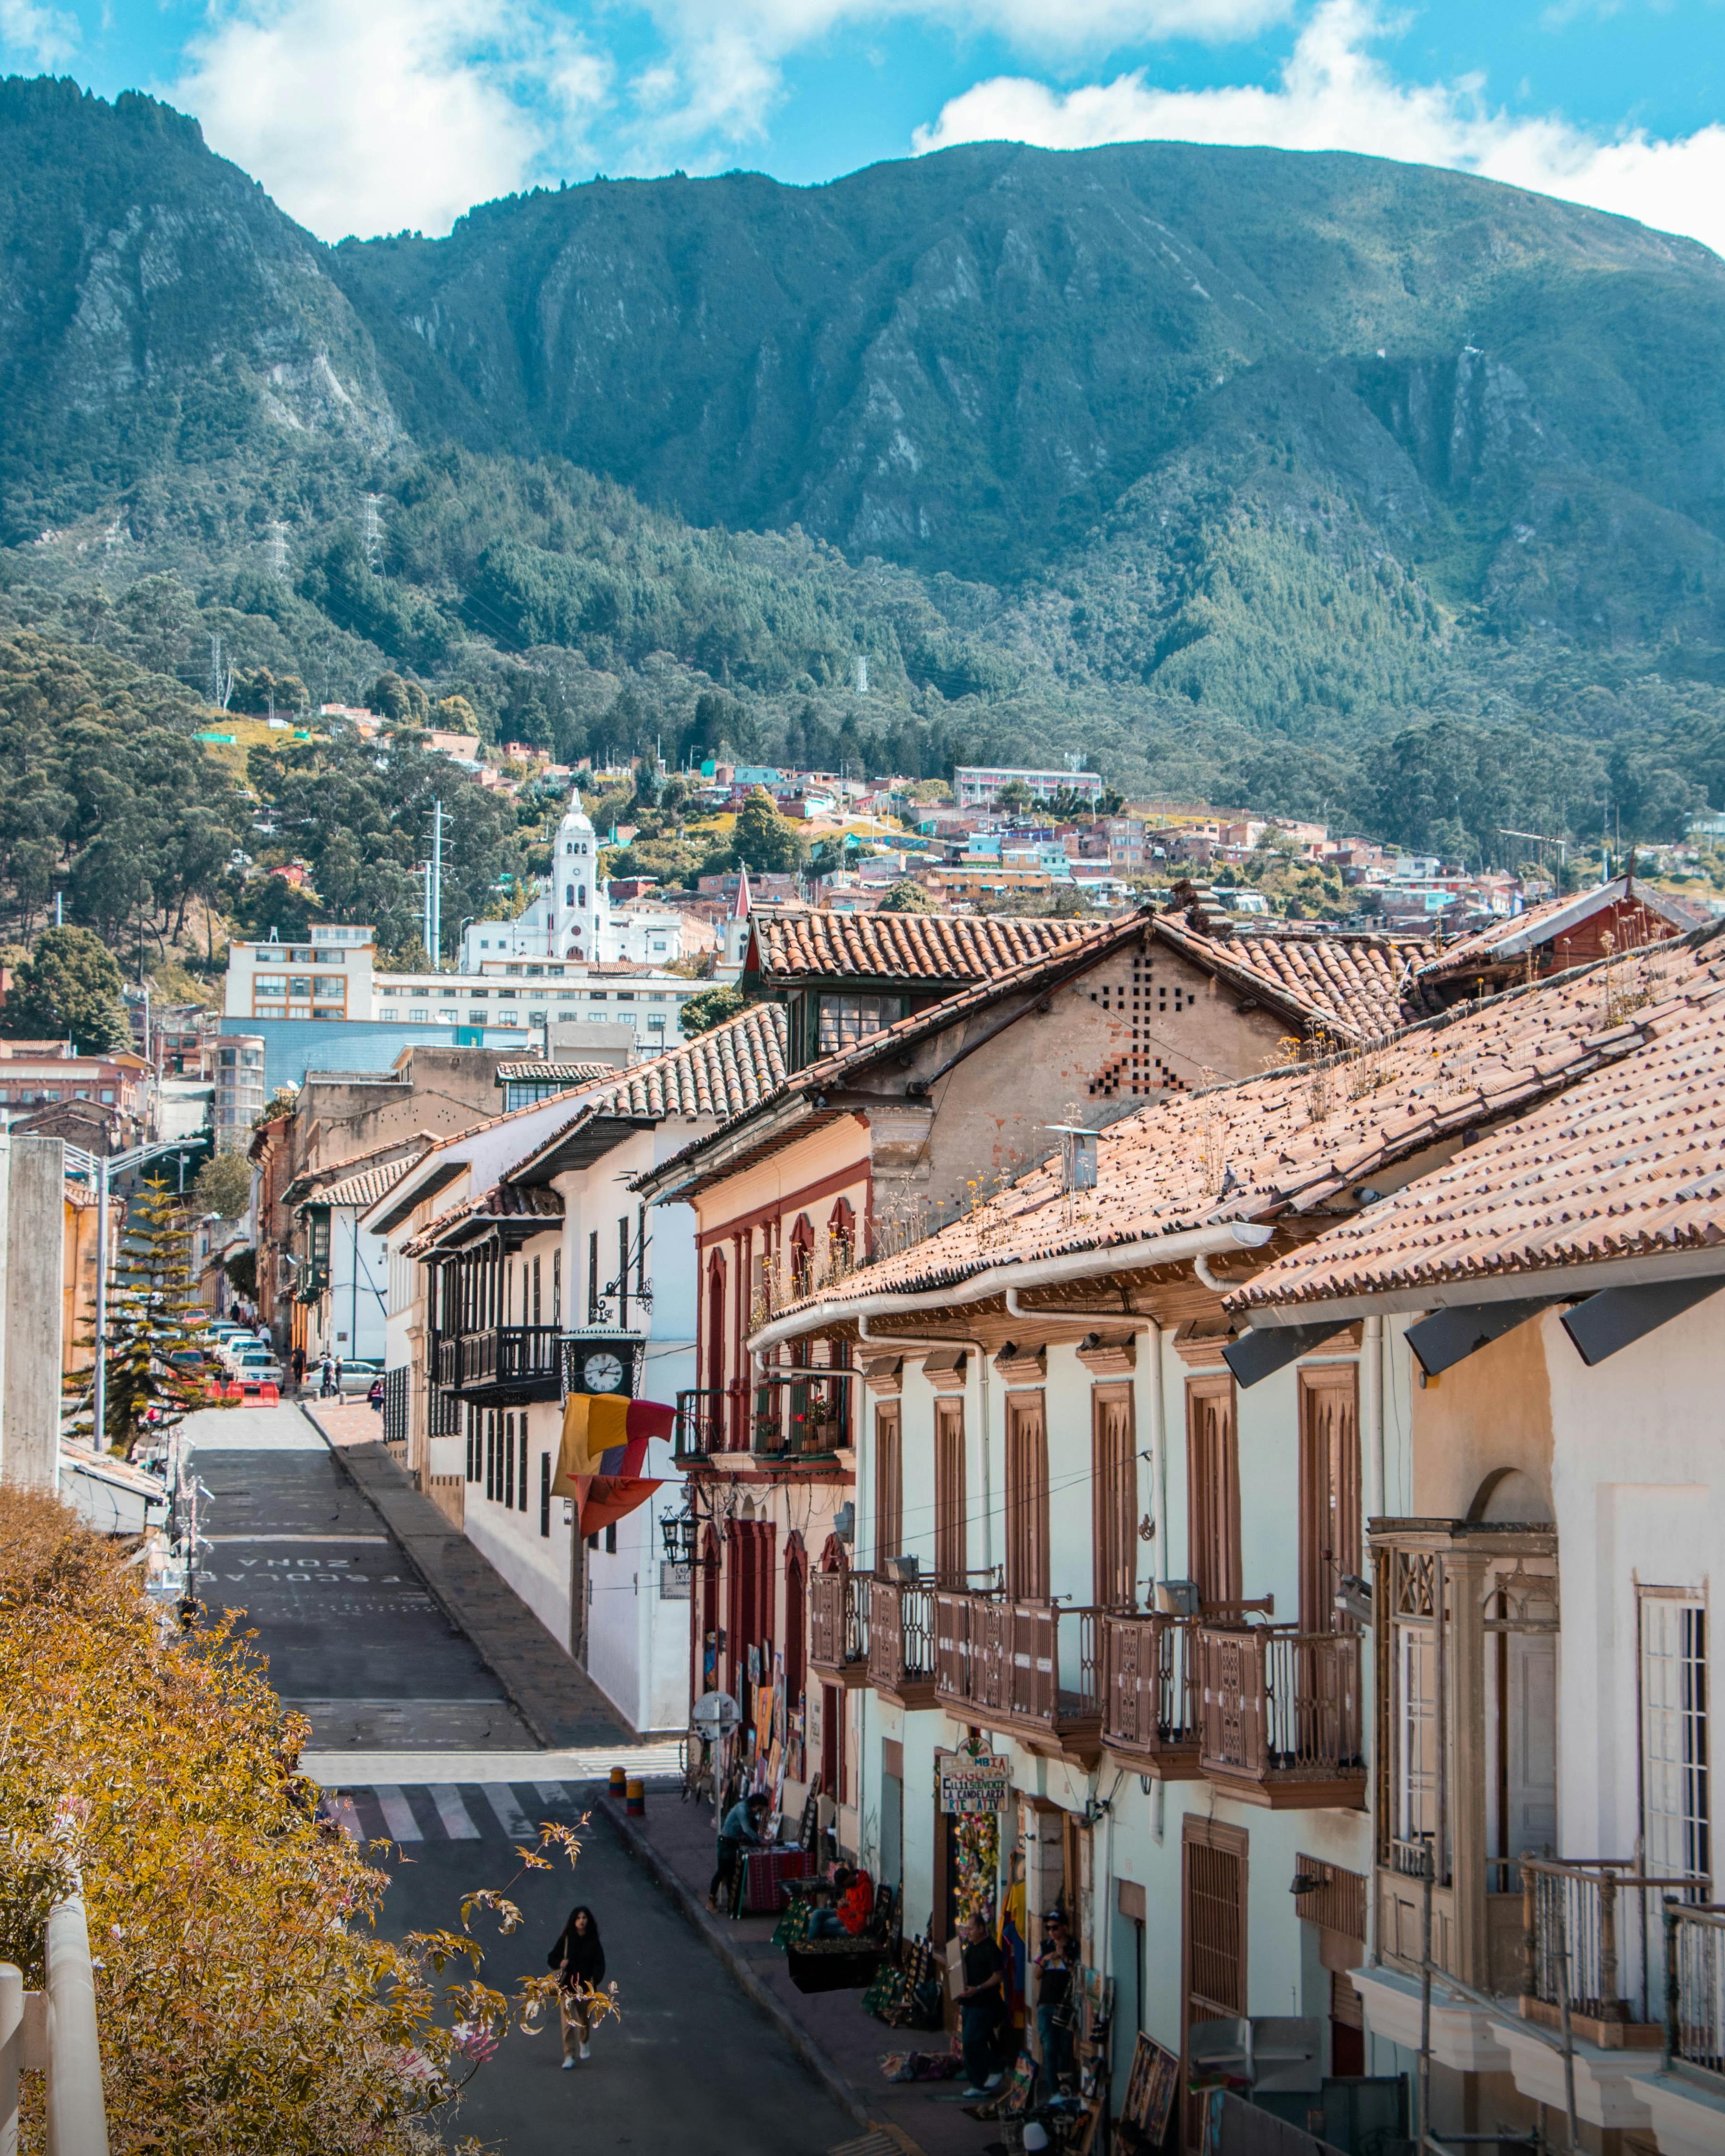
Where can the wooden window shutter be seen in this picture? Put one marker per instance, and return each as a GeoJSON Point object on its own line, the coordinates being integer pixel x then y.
{"type": "Point", "coordinates": [889, 1484]}
{"type": "Point", "coordinates": [1027, 1574]}
{"type": "Point", "coordinates": [951, 1554]}
{"type": "Point", "coordinates": [1212, 1933]}
{"type": "Point", "coordinates": [1330, 1530]}
{"type": "Point", "coordinates": [1115, 1486]}
{"type": "Point", "coordinates": [1213, 1486]}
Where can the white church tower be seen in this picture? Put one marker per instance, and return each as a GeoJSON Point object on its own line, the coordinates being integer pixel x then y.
{"type": "Point", "coordinates": [579, 913]}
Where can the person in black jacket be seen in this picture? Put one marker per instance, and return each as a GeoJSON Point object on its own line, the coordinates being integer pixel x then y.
{"type": "Point", "coordinates": [579, 1961]}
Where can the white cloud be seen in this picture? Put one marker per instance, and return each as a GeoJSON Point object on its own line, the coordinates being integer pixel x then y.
{"type": "Point", "coordinates": [380, 115]}
{"type": "Point", "coordinates": [1334, 95]}
{"type": "Point", "coordinates": [43, 36]}
{"type": "Point", "coordinates": [724, 75]}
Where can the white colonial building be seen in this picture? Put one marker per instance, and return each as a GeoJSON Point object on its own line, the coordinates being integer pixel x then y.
{"type": "Point", "coordinates": [572, 918]}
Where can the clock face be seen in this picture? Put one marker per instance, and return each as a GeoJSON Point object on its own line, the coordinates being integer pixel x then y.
{"type": "Point", "coordinates": [603, 1373]}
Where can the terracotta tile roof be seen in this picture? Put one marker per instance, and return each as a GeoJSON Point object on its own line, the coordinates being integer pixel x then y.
{"type": "Point", "coordinates": [1357, 987]}
{"type": "Point", "coordinates": [553, 1074]}
{"type": "Point", "coordinates": [1626, 1163]}
{"type": "Point", "coordinates": [908, 947]}
{"type": "Point", "coordinates": [503, 1201]}
{"type": "Point", "coordinates": [1518, 933]}
{"type": "Point", "coordinates": [1288, 1143]}
{"type": "Point", "coordinates": [366, 1187]}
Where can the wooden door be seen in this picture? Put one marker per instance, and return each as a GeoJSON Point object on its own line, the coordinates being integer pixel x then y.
{"type": "Point", "coordinates": [1213, 1487]}
{"type": "Point", "coordinates": [1027, 1576]}
{"type": "Point", "coordinates": [888, 1483]}
{"type": "Point", "coordinates": [1213, 1936]}
{"type": "Point", "coordinates": [1331, 1539]}
{"type": "Point", "coordinates": [1114, 1484]}
{"type": "Point", "coordinates": [951, 1543]}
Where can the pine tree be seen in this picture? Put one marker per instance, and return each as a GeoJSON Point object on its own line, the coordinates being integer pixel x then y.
{"type": "Point", "coordinates": [151, 1310]}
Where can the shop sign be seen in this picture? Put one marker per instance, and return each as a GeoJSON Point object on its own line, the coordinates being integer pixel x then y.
{"type": "Point", "coordinates": [967, 1785]}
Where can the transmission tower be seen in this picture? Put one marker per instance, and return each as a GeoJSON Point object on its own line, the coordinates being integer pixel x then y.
{"type": "Point", "coordinates": [275, 553]}
{"type": "Point", "coordinates": [370, 533]}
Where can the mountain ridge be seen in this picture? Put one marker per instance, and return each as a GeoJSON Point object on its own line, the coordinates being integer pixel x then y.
{"type": "Point", "coordinates": [1147, 449]}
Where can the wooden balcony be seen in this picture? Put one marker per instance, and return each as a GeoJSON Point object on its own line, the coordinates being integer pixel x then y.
{"type": "Point", "coordinates": [901, 1641]}
{"type": "Point", "coordinates": [503, 1365]}
{"type": "Point", "coordinates": [1279, 1715]}
{"type": "Point", "coordinates": [1596, 1927]}
{"type": "Point", "coordinates": [1150, 1702]}
{"type": "Point", "coordinates": [838, 1609]}
{"type": "Point", "coordinates": [1028, 1668]}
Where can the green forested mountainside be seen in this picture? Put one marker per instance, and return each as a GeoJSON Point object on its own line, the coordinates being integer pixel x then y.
{"type": "Point", "coordinates": [108, 800]}
{"type": "Point", "coordinates": [1228, 467]}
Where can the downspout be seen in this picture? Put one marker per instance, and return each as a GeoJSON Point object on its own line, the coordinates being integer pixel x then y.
{"type": "Point", "coordinates": [1159, 1503]}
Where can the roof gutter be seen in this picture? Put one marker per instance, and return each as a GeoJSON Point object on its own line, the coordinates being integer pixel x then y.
{"type": "Point", "coordinates": [1026, 1272]}
{"type": "Point", "coordinates": [1515, 1284]}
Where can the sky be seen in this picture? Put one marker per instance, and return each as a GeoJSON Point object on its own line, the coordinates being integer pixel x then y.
{"type": "Point", "coordinates": [368, 116]}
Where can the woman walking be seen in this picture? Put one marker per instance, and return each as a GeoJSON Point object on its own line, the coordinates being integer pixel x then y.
{"type": "Point", "coordinates": [579, 1961]}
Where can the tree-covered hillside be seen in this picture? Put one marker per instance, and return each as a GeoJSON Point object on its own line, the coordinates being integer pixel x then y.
{"type": "Point", "coordinates": [1226, 467]}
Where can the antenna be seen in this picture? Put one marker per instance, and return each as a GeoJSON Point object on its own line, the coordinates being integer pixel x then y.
{"type": "Point", "coordinates": [435, 889]}
{"type": "Point", "coordinates": [276, 554]}
{"type": "Point", "coordinates": [370, 537]}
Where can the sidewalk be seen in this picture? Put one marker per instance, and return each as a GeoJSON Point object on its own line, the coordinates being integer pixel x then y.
{"type": "Point", "coordinates": [560, 1704]}
{"type": "Point", "coordinates": [828, 2031]}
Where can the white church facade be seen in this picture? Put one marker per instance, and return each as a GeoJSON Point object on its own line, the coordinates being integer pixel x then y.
{"type": "Point", "coordinates": [573, 917]}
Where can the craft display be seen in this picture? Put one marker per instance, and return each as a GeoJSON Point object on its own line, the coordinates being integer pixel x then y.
{"type": "Point", "coordinates": [1151, 2089]}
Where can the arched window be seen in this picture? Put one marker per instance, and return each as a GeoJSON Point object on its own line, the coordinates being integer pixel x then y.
{"type": "Point", "coordinates": [568, 893]}
{"type": "Point", "coordinates": [841, 1235]}
{"type": "Point", "coordinates": [803, 1256]}
{"type": "Point", "coordinates": [584, 894]}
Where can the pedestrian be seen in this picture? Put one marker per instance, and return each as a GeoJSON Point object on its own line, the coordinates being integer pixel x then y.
{"type": "Point", "coordinates": [298, 1360]}
{"type": "Point", "coordinates": [326, 1379]}
{"type": "Point", "coordinates": [264, 1332]}
{"type": "Point", "coordinates": [1053, 2001]}
{"type": "Point", "coordinates": [338, 1377]}
{"type": "Point", "coordinates": [980, 2005]}
{"type": "Point", "coordinates": [738, 1831]}
{"type": "Point", "coordinates": [374, 1397]}
{"type": "Point", "coordinates": [579, 1961]}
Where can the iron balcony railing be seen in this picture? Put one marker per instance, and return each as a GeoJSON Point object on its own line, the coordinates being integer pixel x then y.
{"type": "Point", "coordinates": [1150, 1696]}
{"type": "Point", "coordinates": [1281, 1708]}
{"type": "Point", "coordinates": [901, 1637]}
{"type": "Point", "coordinates": [702, 1419]}
{"type": "Point", "coordinates": [1017, 1665]}
{"type": "Point", "coordinates": [1695, 1984]}
{"type": "Point", "coordinates": [799, 1411]}
{"type": "Point", "coordinates": [1590, 1929]}
{"type": "Point", "coordinates": [838, 1609]}
{"type": "Point", "coordinates": [500, 1355]}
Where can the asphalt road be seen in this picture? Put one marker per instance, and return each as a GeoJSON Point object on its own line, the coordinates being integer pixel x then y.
{"type": "Point", "coordinates": [688, 2066]}
{"type": "Point", "coordinates": [350, 1635]}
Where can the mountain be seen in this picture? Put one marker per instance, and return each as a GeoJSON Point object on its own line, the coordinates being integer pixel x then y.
{"type": "Point", "coordinates": [1223, 463]}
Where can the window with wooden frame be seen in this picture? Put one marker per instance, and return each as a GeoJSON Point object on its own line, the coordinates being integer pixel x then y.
{"type": "Point", "coordinates": [841, 1237]}
{"type": "Point", "coordinates": [1675, 1805]}
{"type": "Point", "coordinates": [1027, 1576]}
{"type": "Point", "coordinates": [1114, 1485]}
{"type": "Point", "coordinates": [1331, 1539]}
{"type": "Point", "coordinates": [1213, 1932]}
{"type": "Point", "coordinates": [888, 1483]}
{"type": "Point", "coordinates": [713, 1376]}
{"type": "Point", "coordinates": [951, 1543]}
{"type": "Point", "coordinates": [1213, 1487]}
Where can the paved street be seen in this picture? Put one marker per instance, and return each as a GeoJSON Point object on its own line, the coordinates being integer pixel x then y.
{"type": "Point", "coordinates": [350, 1635]}
{"type": "Point", "coordinates": [352, 1639]}
{"type": "Point", "coordinates": [691, 2065]}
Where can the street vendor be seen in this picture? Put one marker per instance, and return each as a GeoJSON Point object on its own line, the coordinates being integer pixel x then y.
{"type": "Point", "coordinates": [851, 1906]}
{"type": "Point", "coordinates": [738, 1831]}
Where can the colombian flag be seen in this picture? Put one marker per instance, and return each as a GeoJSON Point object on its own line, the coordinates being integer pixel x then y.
{"type": "Point", "coordinates": [604, 1452]}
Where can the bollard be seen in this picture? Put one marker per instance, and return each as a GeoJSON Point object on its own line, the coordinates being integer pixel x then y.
{"type": "Point", "coordinates": [635, 1800]}
{"type": "Point", "coordinates": [617, 1781]}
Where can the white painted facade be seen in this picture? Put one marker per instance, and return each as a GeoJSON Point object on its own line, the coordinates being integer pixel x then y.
{"type": "Point", "coordinates": [573, 917]}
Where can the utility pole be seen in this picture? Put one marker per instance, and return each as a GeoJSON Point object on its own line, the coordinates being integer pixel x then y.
{"type": "Point", "coordinates": [435, 908]}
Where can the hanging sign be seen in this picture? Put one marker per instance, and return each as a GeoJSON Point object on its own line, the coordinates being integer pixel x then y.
{"type": "Point", "coordinates": [967, 1784]}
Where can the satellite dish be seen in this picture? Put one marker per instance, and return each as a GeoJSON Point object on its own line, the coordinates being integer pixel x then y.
{"type": "Point", "coordinates": [717, 1712]}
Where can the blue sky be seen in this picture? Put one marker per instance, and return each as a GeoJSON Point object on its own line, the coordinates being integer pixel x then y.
{"type": "Point", "coordinates": [374, 115]}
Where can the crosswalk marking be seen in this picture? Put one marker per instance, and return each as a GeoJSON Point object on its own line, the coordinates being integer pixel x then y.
{"type": "Point", "coordinates": [510, 1817]}
{"type": "Point", "coordinates": [397, 1813]}
{"type": "Point", "coordinates": [458, 1824]}
{"type": "Point", "coordinates": [552, 1792]}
